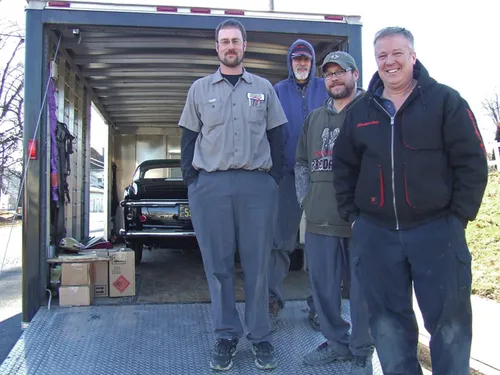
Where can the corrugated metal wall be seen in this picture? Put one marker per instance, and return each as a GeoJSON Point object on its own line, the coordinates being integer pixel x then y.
{"type": "Point", "coordinates": [73, 108]}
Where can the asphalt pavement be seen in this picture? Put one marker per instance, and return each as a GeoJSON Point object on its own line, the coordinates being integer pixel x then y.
{"type": "Point", "coordinates": [10, 287]}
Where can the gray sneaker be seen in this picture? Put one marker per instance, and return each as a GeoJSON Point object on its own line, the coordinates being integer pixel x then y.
{"type": "Point", "coordinates": [324, 354]}
{"type": "Point", "coordinates": [362, 365]}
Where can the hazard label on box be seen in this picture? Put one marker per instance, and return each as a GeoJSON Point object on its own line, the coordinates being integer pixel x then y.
{"type": "Point", "coordinates": [122, 273]}
{"type": "Point", "coordinates": [121, 283]}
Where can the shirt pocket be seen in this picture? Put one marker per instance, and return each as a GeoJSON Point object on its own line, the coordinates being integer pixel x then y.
{"type": "Point", "coordinates": [257, 114]}
{"type": "Point", "coordinates": [212, 114]}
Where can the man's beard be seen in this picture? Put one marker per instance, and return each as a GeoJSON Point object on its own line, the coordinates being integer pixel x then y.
{"type": "Point", "coordinates": [301, 76]}
{"type": "Point", "coordinates": [231, 63]}
{"type": "Point", "coordinates": [348, 89]}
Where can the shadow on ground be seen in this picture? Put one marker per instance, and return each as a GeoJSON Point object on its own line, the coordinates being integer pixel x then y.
{"type": "Point", "coordinates": [10, 331]}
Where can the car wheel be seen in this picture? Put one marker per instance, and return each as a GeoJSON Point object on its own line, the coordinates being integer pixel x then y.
{"type": "Point", "coordinates": [138, 252]}
{"type": "Point", "coordinates": [296, 260]}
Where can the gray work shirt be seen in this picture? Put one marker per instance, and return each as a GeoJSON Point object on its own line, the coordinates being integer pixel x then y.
{"type": "Point", "coordinates": [232, 122]}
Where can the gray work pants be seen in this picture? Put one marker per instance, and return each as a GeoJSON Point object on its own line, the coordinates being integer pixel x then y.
{"type": "Point", "coordinates": [325, 262]}
{"type": "Point", "coordinates": [285, 237]}
{"type": "Point", "coordinates": [236, 209]}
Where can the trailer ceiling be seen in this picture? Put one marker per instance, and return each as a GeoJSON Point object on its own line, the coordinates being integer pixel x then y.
{"type": "Point", "coordinates": [140, 76]}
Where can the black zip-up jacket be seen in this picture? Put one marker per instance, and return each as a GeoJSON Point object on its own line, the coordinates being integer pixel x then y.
{"type": "Point", "coordinates": [402, 171]}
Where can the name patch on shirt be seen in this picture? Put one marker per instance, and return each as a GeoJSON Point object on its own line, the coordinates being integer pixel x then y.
{"type": "Point", "coordinates": [255, 99]}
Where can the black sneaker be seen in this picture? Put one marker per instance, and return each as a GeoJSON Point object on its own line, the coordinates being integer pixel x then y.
{"type": "Point", "coordinates": [274, 313]}
{"type": "Point", "coordinates": [313, 320]}
{"type": "Point", "coordinates": [223, 353]}
{"type": "Point", "coordinates": [264, 356]}
{"type": "Point", "coordinates": [362, 365]}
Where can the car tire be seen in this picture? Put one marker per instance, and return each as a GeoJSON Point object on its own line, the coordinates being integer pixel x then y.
{"type": "Point", "coordinates": [138, 253]}
{"type": "Point", "coordinates": [296, 260]}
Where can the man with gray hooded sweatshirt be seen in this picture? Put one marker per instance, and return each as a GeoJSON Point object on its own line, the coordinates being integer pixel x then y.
{"type": "Point", "coordinates": [299, 94]}
{"type": "Point", "coordinates": [327, 235]}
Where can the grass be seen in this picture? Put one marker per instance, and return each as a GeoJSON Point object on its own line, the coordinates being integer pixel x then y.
{"type": "Point", "coordinates": [483, 237]}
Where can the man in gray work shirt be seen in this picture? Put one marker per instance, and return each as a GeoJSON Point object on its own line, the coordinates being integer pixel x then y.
{"type": "Point", "coordinates": [232, 161]}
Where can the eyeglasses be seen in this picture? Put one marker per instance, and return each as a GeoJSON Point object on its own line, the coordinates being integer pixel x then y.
{"type": "Point", "coordinates": [226, 42]}
{"type": "Point", "coordinates": [338, 74]}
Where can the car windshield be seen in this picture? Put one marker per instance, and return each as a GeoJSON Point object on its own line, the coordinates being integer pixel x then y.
{"type": "Point", "coordinates": [173, 173]}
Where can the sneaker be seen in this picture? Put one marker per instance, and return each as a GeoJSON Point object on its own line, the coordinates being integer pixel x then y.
{"type": "Point", "coordinates": [362, 365]}
{"type": "Point", "coordinates": [274, 312]}
{"type": "Point", "coordinates": [324, 354]}
{"type": "Point", "coordinates": [264, 356]}
{"type": "Point", "coordinates": [223, 353]}
{"type": "Point", "coordinates": [313, 320]}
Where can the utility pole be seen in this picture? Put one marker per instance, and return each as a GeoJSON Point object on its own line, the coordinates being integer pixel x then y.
{"type": "Point", "coordinates": [271, 4]}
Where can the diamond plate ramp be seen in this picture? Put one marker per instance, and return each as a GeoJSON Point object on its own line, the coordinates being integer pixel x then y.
{"type": "Point", "coordinates": [152, 339]}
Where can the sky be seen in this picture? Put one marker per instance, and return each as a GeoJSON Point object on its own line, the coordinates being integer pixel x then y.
{"type": "Point", "coordinates": [456, 43]}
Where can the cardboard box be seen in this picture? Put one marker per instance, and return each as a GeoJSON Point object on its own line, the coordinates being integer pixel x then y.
{"type": "Point", "coordinates": [76, 274]}
{"type": "Point", "coordinates": [121, 273]}
{"type": "Point", "coordinates": [81, 295]}
{"type": "Point", "coordinates": [101, 278]}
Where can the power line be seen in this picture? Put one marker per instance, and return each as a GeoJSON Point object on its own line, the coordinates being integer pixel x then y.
{"type": "Point", "coordinates": [12, 35]}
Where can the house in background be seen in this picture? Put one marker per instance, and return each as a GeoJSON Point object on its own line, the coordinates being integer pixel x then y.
{"type": "Point", "coordinates": [96, 181]}
{"type": "Point", "coordinates": [9, 192]}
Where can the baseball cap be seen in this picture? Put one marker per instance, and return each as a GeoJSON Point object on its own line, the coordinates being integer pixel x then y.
{"type": "Point", "coordinates": [301, 50]}
{"type": "Point", "coordinates": [343, 59]}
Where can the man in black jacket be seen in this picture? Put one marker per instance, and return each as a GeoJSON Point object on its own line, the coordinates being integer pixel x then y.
{"type": "Point", "coordinates": [410, 172]}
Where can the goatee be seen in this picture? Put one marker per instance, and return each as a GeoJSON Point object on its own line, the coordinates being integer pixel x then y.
{"type": "Point", "coordinates": [231, 63]}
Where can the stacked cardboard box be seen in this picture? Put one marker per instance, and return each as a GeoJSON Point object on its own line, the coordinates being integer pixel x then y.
{"type": "Point", "coordinates": [96, 273]}
{"type": "Point", "coordinates": [83, 277]}
{"type": "Point", "coordinates": [76, 284]}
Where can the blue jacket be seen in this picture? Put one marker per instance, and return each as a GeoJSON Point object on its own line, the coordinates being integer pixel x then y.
{"type": "Point", "coordinates": [298, 104]}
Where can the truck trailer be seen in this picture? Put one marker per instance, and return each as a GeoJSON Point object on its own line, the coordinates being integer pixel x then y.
{"type": "Point", "coordinates": [134, 63]}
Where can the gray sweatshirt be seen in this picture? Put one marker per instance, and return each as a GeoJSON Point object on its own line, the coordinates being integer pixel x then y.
{"type": "Point", "coordinates": [313, 170]}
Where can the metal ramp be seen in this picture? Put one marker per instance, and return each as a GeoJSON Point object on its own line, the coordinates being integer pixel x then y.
{"type": "Point", "coordinates": [153, 339]}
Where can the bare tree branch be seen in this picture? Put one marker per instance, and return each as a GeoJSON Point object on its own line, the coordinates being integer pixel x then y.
{"type": "Point", "coordinates": [492, 108]}
{"type": "Point", "coordinates": [11, 104]}
{"type": "Point", "coordinates": [7, 71]}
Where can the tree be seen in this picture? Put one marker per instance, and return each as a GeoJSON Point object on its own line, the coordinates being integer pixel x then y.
{"type": "Point", "coordinates": [492, 108]}
{"type": "Point", "coordinates": [11, 104]}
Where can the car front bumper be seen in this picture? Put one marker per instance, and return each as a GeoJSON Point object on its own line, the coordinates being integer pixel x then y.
{"type": "Point", "coordinates": [155, 233]}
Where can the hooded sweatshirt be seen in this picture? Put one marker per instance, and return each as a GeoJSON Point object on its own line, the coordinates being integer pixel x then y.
{"type": "Point", "coordinates": [298, 103]}
{"type": "Point", "coordinates": [313, 171]}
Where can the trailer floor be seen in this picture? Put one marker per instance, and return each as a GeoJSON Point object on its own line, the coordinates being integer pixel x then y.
{"type": "Point", "coordinates": [152, 339]}
{"type": "Point", "coordinates": [177, 276]}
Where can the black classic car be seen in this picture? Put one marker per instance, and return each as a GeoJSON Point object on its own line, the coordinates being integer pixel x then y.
{"type": "Point", "coordinates": [155, 208]}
